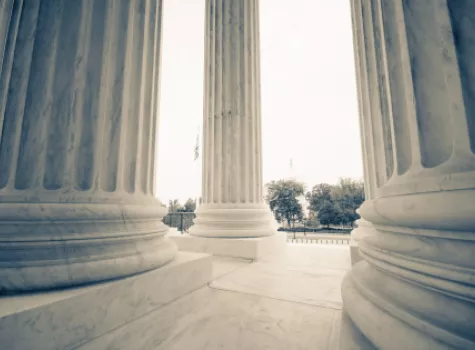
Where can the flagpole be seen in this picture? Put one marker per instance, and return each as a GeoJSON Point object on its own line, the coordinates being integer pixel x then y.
{"type": "Point", "coordinates": [197, 158]}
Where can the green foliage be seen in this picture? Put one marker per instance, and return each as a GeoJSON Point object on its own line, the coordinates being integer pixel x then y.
{"type": "Point", "coordinates": [336, 204]}
{"type": "Point", "coordinates": [190, 205]}
{"type": "Point", "coordinates": [348, 196]}
{"type": "Point", "coordinates": [320, 194]}
{"type": "Point", "coordinates": [174, 206]}
{"type": "Point", "coordinates": [328, 213]}
{"type": "Point", "coordinates": [282, 198]}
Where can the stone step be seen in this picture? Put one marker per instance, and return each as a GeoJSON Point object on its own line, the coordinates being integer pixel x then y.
{"type": "Point", "coordinates": [66, 319]}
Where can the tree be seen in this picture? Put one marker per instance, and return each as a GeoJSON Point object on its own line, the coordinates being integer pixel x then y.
{"type": "Point", "coordinates": [174, 206]}
{"type": "Point", "coordinates": [190, 205]}
{"type": "Point", "coordinates": [348, 195]}
{"type": "Point", "coordinates": [327, 214]}
{"type": "Point", "coordinates": [320, 194]}
{"type": "Point", "coordinates": [336, 204]}
{"type": "Point", "coordinates": [282, 196]}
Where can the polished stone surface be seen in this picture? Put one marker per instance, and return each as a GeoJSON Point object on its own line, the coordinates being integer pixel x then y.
{"type": "Point", "coordinates": [211, 318]}
{"type": "Point", "coordinates": [415, 285]}
{"type": "Point", "coordinates": [79, 93]}
{"type": "Point", "coordinates": [232, 190]}
{"type": "Point", "coordinates": [351, 337]}
{"type": "Point", "coordinates": [244, 248]}
{"type": "Point", "coordinates": [223, 265]}
{"type": "Point", "coordinates": [300, 280]}
{"type": "Point", "coordinates": [64, 319]}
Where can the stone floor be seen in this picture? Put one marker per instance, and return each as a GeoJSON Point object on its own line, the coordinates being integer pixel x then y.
{"type": "Point", "coordinates": [289, 301]}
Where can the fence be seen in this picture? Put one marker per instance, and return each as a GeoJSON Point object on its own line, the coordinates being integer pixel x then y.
{"type": "Point", "coordinates": [319, 240]}
{"type": "Point", "coordinates": [180, 220]}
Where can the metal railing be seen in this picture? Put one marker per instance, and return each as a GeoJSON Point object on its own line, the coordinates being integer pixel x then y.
{"type": "Point", "coordinates": [319, 240]}
{"type": "Point", "coordinates": [182, 221]}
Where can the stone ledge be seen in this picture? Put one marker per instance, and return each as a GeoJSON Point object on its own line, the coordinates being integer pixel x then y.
{"type": "Point", "coordinates": [68, 318]}
{"type": "Point", "coordinates": [244, 248]}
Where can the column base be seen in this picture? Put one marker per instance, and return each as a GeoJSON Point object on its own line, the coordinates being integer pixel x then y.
{"type": "Point", "coordinates": [362, 229]}
{"type": "Point", "coordinates": [355, 255]}
{"type": "Point", "coordinates": [415, 287]}
{"type": "Point", "coordinates": [350, 336]}
{"type": "Point", "coordinates": [394, 313]}
{"type": "Point", "coordinates": [244, 248]}
{"type": "Point", "coordinates": [73, 317]}
{"type": "Point", "coordinates": [45, 246]}
{"type": "Point", "coordinates": [233, 221]}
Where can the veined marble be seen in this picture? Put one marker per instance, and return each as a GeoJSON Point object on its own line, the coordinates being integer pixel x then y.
{"type": "Point", "coordinates": [225, 265]}
{"type": "Point", "coordinates": [415, 288]}
{"type": "Point", "coordinates": [244, 248]}
{"type": "Point", "coordinates": [211, 319]}
{"type": "Point", "coordinates": [79, 90]}
{"type": "Point", "coordinates": [301, 277]}
{"type": "Point", "coordinates": [66, 319]}
{"type": "Point", "coordinates": [233, 205]}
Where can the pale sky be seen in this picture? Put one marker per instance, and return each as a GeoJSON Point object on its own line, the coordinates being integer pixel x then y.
{"type": "Point", "coordinates": [309, 103]}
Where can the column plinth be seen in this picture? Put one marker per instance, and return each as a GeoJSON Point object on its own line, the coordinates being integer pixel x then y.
{"type": "Point", "coordinates": [79, 85]}
{"type": "Point", "coordinates": [415, 288]}
{"type": "Point", "coordinates": [233, 221]}
{"type": "Point", "coordinates": [233, 205]}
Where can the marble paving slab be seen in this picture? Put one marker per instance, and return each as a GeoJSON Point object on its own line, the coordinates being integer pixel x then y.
{"type": "Point", "coordinates": [224, 265]}
{"type": "Point", "coordinates": [304, 256]}
{"type": "Point", "coordinates": [209, 319]}
{"type": "Point", "coordinates": [319, 288]}
{"type": "Point", "coordinates": [301, 276]}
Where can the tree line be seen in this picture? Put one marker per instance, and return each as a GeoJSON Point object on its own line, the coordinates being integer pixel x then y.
{"type": "Point", "coordinates": [329, 204]}
{"type": "Point", "coordinates": [174, 206]}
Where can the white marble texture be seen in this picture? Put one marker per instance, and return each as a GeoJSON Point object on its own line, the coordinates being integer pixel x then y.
{"type": "Point", "coordinates": [79, 87]}
{"type": "Point", "coordinates": [297, 277]}
{"type": "Point", "coordinates": [232, 190]}
{"type": "Point", "coordinates": [414, 288]}
{"type": "Point", "coordinates": [362, 228]}
{"type": "Point", "coordinates": [211, 319]}
{"type": "Point", "coordinates": [67, 318]}
{"type": "Point", "coordinates": [224, 265]}
{"type": "Point", "coordinates": [351, 337]}
{"type": "Point", "coordinates": [310, 257]}
{"type": "Point", "coordinates": [244, 248]}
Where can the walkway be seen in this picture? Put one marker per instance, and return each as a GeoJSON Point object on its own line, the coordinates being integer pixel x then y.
{"type": "Point", "coordinates": [286, 301]}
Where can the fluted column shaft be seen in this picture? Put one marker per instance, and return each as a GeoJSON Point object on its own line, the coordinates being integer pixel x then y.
{"type": "Point", "coordinates": [79, 89]}
{"type": "Point", "coordinates": [415, 288]}
{"type": "Point", "coordinates": [232, 152]}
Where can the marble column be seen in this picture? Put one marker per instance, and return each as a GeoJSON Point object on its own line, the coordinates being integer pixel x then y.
{"type": "Point", "coordinates": [415, 288]}
{"type": "Point", "coordinates": [233, 204]}
{"type": "Point", "coordinates": [79, 87]}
